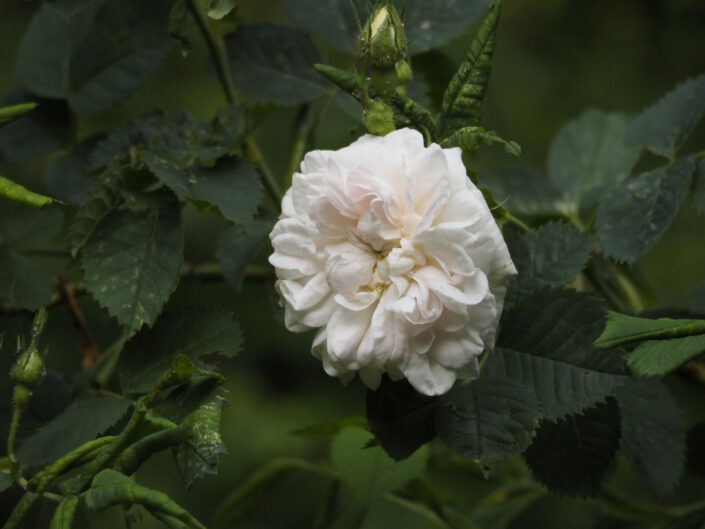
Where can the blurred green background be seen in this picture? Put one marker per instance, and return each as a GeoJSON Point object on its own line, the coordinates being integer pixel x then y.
{"type": "Point", "coordinates": [554, 59]}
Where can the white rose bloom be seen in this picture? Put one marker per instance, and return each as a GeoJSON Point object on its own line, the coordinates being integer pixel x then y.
{"type": "Point", "coordinates": [389, 250]}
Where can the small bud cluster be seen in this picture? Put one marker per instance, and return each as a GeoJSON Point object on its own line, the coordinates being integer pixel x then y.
{"type": "Point", "coordinates": [28, 369]}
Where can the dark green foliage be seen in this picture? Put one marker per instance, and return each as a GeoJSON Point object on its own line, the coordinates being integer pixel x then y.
{"type": "Point", "coordinates": [472, 138]}
{"type": "Point", "coordinates": [238, 245]}
{"type": "Point", "coordinates": [500, 507]}
{"type": "Point", "coordinates": [588, 155]}
{"type": "Point", "coordinates": [653, 434]}
{"type": "Point", "coordinates": [231, 185]}
{"type": "Point", "coordinates": [273, 64]}
{"type": "Point", "coordinates": [551, 352]}
{"type": "Point", "coordinates": [571, 456]}
{"type": "Point", "coordinates": [401, 419]}
{"type": "Point", "coordinates": [194, 333]}
{"type": "Point", "coordinates": [85, 419]}
{"type": "Point", "coordinates": [664, 126]}
{"type": "Point", "coordinates": [699, 187]}
{"type": "Point", "coordinates": [25, 279]}
{"type": "Point", "coordinates": [462, 101]}
{"type": "Point", "coordinates": [95, 53]}
{"type": "Point", "coordinates": [132, 260]}
{"type": "Point", "coordinates": [65, 513]}
{"type": "Point", "coordinates": [633, 215]}
{"type": "Point", "coordinates": [490, 418]}
{"type": "Point", "coordinates": [552, 255]}
{"type": "Point", "coordinates": [522, 191]}
{"type": "Point", "coordinates": [428, 24]}
{"type": "Point", "coordinates": [44, 130]}
{"type": "Point", "coordinates": [68, 179]}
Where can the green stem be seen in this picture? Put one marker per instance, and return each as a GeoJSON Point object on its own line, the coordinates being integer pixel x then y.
{"type": "Point", "coordinates": [254, 156]}
{"type": "Point", "coordinates": [216, 49]}
{"type": "Point", "coordinates": [14, 424]}
{"type": "Point", "coordinates": [511, 219]}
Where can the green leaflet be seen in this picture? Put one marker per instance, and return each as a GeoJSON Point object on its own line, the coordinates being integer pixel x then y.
{"type": "Point", "coordinates": [653, 434]}
{"type": "Point", "coordinates": [622, 329]}
{"type": "Point", "coordinates": [552, 255]}
{"type": "Point", "coordinates": [13, 112]}
{"type": "Point", "coordinates": [664, 126]}
{"type": "Point", "coordinates": [634, 214]}
{"type": "Point", "coordinates": [552, 353]}
{"type": "Point", "coordinates": [401, 419]}
{"type": "Point", "coordinates": [194, 333]}
{"type": "Point", "coordinates": [490, 418]}
{"type": "Point", "coordinates": [471, 138]}
{"type": "Point", "coordinates": [20, 510]}
{"type": "Point", "coordinates": [132, 259]}
{"type": "Point", "coordinates": [69, 50]}
{"type": "Point", "coordinates": [660, 357]}
{"type": "Point", "coordinates": [231, 184]}
{"type": "Point", "coordinates": [84, 420]}
{"type": "Point", "coordinates": [587, 155]}
{"type": "Point", "coordinates": [572, 456]}
{"type": "Point", "coordinates": [65, 513]}
{"type": "Point", "coordinates": [462, 101]}
{"type": "Point", "coordinates": [113, 488]}
{"type": "Point", "coordinates": [13, 191]}
{"type": "Point", "coordinates": [273, 63]}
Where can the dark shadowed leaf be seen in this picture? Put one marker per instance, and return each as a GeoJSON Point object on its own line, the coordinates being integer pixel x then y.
{"type": "Point", "coordinates": [634, 214]}
{"type": "Point", "coordinates": [274, 64]}
{"type": "Point", "coordinates": [551, 352]}
{"type": "Point", "coordinates": [132, 260]}
{"type": "Point", "coordinates": [664, 126]}
{"type": "Point", "coordinates": [490, 418]}
{"type": "Point", "coordinates": [402, 419]}
{"type": "Point", "coordinates": [93, 53]}
{"type": "Point", "coordinates": [699, 187]}
{"type": "Point", "coordinates": [84, 420]}
{"type": "Point", "coordinates": [522, 191]}
{"type": "Point", "coordinates": [653, 434]}
{"type": "Point", "coordinates": [231, 185]}
{"type": "Point", "coordinates": [501, 506]}
{"type": "Point", "coordinates": [572, 456]}
{"type": "Point", "coordinates": [194, 333]}
{"type": "Point", "coordinates": [238, 245]}
{"type": "Point", "coordinates": [552, 255]}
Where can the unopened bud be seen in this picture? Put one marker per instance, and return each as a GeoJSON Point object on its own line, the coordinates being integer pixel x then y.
{"type": "Point", "coordinates": [403, 72]}
{"type": "Point", "coordinates": [382, 40]}
{"type": "Point", "coordinates": [29, 368]}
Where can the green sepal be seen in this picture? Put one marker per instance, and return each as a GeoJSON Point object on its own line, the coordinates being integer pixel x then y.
{"type": "Point", "coordinates": [17, 193]}
{"type": "Point", "coordinates": [13, 112]}
{"type": "Point", "coordinates": [472, 138]}
{"type": "Point", "coordinates": [462, 101]}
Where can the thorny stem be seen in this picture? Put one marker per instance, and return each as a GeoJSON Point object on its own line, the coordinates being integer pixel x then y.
{"type": "Point", "coordinates": [216, 49]}
{"type": "Point", "coordinates": [14, 424]}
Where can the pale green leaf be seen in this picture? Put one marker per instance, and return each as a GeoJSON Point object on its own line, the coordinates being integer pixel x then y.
{"type": "Point", "coordinates": [490, 418]}
{"type": "Point", "coordinates": [238, 245]}
{"type": "Point", "coordinates": [93, 53]}
{"type": "Point", "coordinates": [368, 470]}
{"type": "Point", "coordinates": [17, 193]}
{"type": "Point", "coordinates": [462, 100]}
{"type": "Point", "coordinates": [84, 420]}
{"type": "Point", "coordinates": [194, 333]}
{"type": "Point", "coordinates": [664, 126]}
{"type": "Point", "coordinates": [274, 64]}
{"type": "Point", "coordinates": [132, 261]}
{"type": "Point", "coordinates": [572, 456]}
{"type": "Point", "coordinates": [634, 214]}
{"type": "Point", "coordinates": [623, 329]}
{"type": "Point", "coordinates": [653, 434]}
{"type": "Point", "coordinates": [13, 112]}
{"type": "Point", "coordinates": [231, 185]}
{"type": "Point", "coordinates": [551, 353]}
{"type": "Point", "coordinates": [660, 357]}
{"type": "Point", "coordinates": [589, 153]}
{"type": "Point", "coordinates": [218, 9]}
